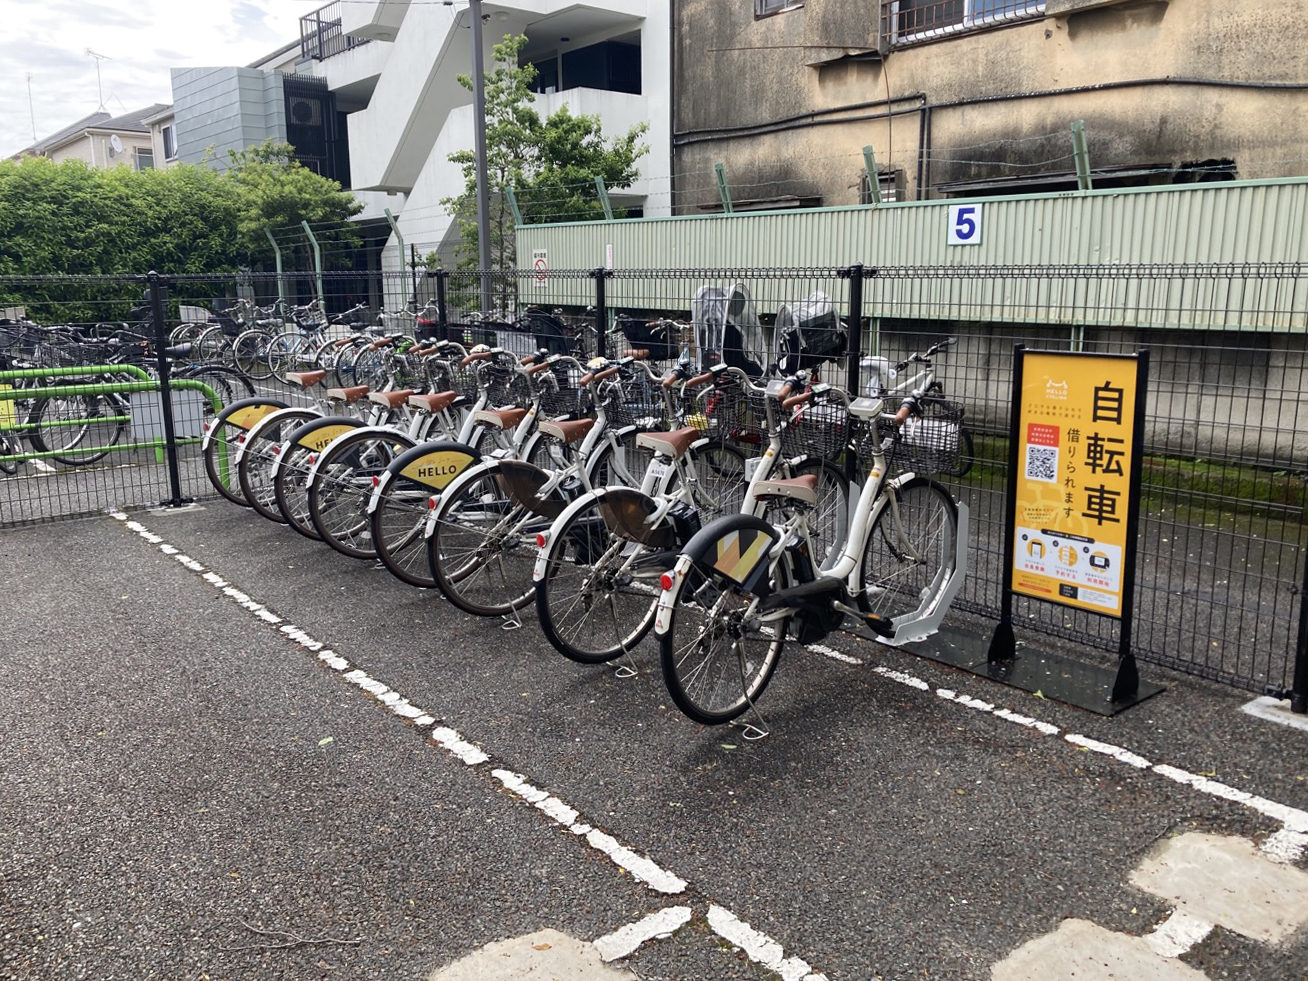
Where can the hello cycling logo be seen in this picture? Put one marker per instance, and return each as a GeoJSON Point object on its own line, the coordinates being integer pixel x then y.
{"type": "Point", "coordinates": [1055, 391]}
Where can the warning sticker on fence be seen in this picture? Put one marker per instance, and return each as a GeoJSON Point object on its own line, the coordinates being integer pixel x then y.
{"type": "Point", "coordinates": [1076, 430]}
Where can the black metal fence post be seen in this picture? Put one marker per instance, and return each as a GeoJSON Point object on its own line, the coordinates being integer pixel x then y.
{"type": "Point", "coordinates": [442, 316]}
{"type": "Point", "coordinates": [601, 311]}
{"type": "Point", "coordinates": [854, 348]}
{"type": "Point", "coordinates": [1299, 691]}
{"type": "Point", "coordinates": [158, 306]}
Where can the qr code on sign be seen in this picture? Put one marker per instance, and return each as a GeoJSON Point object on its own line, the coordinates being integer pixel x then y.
{"type": "Point", "coordinates": [1042, 463]}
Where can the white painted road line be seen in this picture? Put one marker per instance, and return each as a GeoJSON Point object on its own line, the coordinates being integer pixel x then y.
{"type": "Point", "coordinates": [626, 940]}
{"type": "Point", "coordinates": [757, 946]}
{"type": "Point", "coordinates": [1178, 933]}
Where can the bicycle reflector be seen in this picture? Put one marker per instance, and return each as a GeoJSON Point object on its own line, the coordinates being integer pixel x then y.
{"type": "Point", "coordinates": [375, 480]}
{"type": "Point", "coordinates": [431, 503]}
{"type": "Point", "coordinates": [665, 580]}
{"type": "Point", "coordinates": [542, 538]}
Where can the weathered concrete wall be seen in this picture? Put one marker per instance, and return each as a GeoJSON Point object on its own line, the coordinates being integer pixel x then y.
{"type": "Point", "coordinates": [1158, 83]}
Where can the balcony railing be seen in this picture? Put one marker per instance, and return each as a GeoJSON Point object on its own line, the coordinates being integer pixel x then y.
{"type": "Point", "coordinates": [321, 36]}
{"type": "Point", "coordinates": [910, 21]}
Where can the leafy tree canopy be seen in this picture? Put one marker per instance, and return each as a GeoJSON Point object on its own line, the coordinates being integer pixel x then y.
{"type": "Point", "coordinates": [550, 163]}
{"type": "Point", "coordinates": [69, 218]}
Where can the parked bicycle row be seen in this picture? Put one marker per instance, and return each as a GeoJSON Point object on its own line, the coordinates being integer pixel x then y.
{"type": "Point", "coordinates": [701, 506]}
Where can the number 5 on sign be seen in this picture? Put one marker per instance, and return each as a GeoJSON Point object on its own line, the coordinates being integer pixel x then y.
{"type": "Point", "coordinates": [965, 224]}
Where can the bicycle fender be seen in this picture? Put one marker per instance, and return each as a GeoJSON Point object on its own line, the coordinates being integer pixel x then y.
{"type": "Point", "coordinates": [375, 430]}
{"type": "Point", "coordinates": [245, 441]}
{"type": "Point", "coordinates": [314, 436]}
{"type": "Point", "coordinates": [538, 573]}
{"type": "Point", "coordinates": [734, 547]}
{"type": "Point", "coordinates": [244, 414]}
{"type": "Point", "coordinates": [432, 464]}
{"type": "Point", "coordinates": [473, 472]}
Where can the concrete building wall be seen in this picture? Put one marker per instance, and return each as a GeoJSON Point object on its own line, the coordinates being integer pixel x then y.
{"type": "Point", "coordinates": [788, 101]}
{"type": "Point", "coordinates": [221, 109]}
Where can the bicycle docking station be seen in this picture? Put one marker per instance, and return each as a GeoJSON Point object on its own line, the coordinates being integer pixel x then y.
{"type": "Point", "coordinates": [1072, 520]}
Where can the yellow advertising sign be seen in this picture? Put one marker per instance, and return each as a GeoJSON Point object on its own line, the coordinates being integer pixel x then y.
{"type": "Point", "coordinates": [439, 468]}
{"type": "Point", "coordinates": [7, 409]}
{"type": "Point", "coordinates": [320, 437]}
{"type": "Point", "coordinates": [247, 417]}
{"type": "Point", "coordinates": [1076, 434]}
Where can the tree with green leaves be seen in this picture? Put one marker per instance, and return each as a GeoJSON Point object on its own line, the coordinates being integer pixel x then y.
{"type": "Point", "coordinates": [551, 164]}
{"type": "Point", "coordinates": [277, 192]}
{"type": "Point", "coordinates": [74, 220]}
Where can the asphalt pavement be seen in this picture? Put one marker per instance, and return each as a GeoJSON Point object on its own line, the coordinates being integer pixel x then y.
{"type": "Point", "coordinates": [234, 754]}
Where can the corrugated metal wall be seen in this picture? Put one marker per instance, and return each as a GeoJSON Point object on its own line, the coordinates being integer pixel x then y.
{"type": "Point", "coordinates": [1044, 242]}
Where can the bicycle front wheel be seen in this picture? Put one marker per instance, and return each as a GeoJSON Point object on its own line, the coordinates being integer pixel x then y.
{"type": "Point", "coordinates": [911, 554]}
{"type": "Point", "coordinates": [599, 593]}
{"type": "Point", "coordinates": [718, 652]}
{"type": "Point", "coordinates": [482, 549]}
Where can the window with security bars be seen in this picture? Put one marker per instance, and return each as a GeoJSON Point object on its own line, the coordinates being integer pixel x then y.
{"type": "Point", "coordinates": [763, 7]}
{"type": "Point", "coordinates": [920, 20]}
{"type": "Point", "coordinates": [890, 183]}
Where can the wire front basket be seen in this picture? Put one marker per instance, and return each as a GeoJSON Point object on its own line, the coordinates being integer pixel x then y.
{"type": "Point", "coordinates": [560, 393]}
{"type": "Point", "coordinates": [817, 428]}
{"type": "Point", "coordinates": [730, 414]}
{"type": "Point", "coordinates": [927, 443]}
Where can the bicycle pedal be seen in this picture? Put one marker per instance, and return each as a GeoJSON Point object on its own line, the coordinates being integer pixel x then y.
{"type": "Point", "coordinates": [879, 625]}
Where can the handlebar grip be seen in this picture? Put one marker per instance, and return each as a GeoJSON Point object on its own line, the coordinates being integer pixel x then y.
{"type": "Point", "coordinates": [637, 353]}
{"type": "Point", "coordinates": [698, 380]}
{"type": "Point", "coordinates": [902, 415]}
{"type": "Point", "coordinates": [529, 359]}
{"type": "Point", "coordinates": [479, 356]}
{"type": "Point", "coordinates": [606, 373]}
{"type": "Point", "coordinates": [794, 400]}
{"type": "Point", "coordinates": [536, 369]}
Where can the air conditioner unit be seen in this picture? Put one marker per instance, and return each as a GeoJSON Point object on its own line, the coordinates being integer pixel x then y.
{"type": "Point", "coordinates": [303, 112]}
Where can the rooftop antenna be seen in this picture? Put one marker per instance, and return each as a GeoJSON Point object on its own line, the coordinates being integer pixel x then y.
{"type": "Point", "coordinates": [30, 110]}
{"type": "Point", "coordinates": [98, 90]}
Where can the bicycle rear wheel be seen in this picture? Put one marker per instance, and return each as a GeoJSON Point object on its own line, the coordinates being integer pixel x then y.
{"type": "Point", "coordinates": [718, 651]}
{"type": "Point", "coordinates": [482, 549]}
{"type": "Point", "coordinates": [258, 453]}
{"type": "Point", "coordinates": [400, 506]}
{"type": "Point", "coordinates": [597, 592]}
{"type": "Point", "coordinates": [342, 486]}
{"type": "Point", "coordinates": [911, 554]}
{"type": "Point", "coordinates": [290, 488]}
{"type": "Point", "coordinates": [77, 430]}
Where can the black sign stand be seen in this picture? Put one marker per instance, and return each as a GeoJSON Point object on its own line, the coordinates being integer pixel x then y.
{"type": "Point", "coordinates": [1098, 689]}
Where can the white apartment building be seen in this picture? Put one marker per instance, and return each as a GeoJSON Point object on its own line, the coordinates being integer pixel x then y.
{"type": "Point", "coordinates": [370, 96]}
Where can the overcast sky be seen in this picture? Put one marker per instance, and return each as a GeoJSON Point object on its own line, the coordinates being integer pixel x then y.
{"type": "Point", "coordinates": [140, 39]}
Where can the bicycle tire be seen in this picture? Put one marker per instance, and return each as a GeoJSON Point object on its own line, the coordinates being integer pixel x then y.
{"type": "Point", "coordinates": [399, 508]}
{"type": "Point", "coordinates": [257, 455]}
{"type": "Point", "coordinates": [596, 591]}
{"type": "Point", "coordinates": [250, 352]}
{"type": "Point", "coordinates": [62, 425]}
{"type": "Point", "coordinates": [482, 546]}
{"type": "Point", "coordinates": [9, 446]}
{"type": "Point", "coordinates": [716, 654]}
{"type": "Point", "coordinates": [341, 486]}
{"type": "Point", "coordinates": [910, 554]}
{"type": "Point", "coordinates": [829, 522]}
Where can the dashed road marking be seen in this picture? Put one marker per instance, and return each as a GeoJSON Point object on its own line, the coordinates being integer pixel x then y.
{"type": "Point", "coordinates": [757, 946]}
